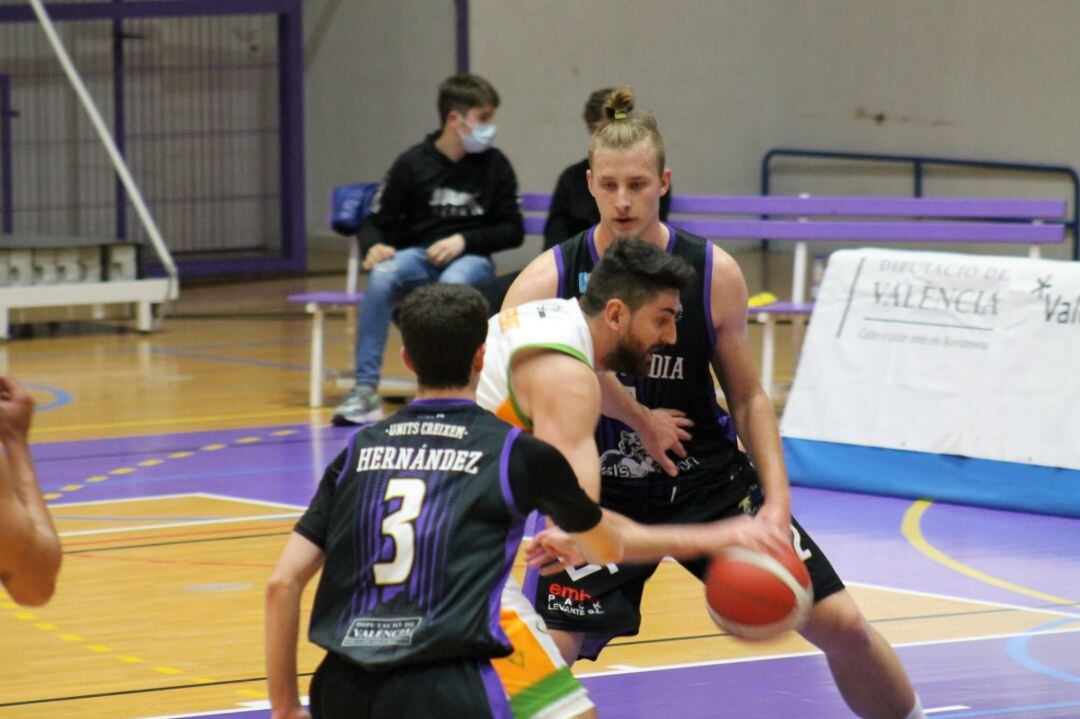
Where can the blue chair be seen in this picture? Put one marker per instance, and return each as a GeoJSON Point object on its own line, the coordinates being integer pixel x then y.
{"type": "Point", "coordinates": [349, 207]}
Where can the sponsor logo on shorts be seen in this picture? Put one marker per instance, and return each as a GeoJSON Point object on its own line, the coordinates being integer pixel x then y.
{"type": "Point", "coordinates": [392, 631]}
{"type": "Point", "coordinates": [574, 602]}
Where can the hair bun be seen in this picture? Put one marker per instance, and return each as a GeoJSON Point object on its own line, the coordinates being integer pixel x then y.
{"type": "Point", "coordinates": [619, 104]}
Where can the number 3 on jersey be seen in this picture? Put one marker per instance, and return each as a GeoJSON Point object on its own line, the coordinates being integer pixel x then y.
{"type": "Point", "coordinates": [399, 527]}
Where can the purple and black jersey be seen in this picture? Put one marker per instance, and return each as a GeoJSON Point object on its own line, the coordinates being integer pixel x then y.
{"type": "Point", "coordinates": [420, 520]}
{"type": "Point", "coordinates": [680, 377]}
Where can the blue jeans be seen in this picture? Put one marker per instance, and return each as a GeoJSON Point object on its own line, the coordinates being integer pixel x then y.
{"type": "Point", "coordinates": [388, 283]}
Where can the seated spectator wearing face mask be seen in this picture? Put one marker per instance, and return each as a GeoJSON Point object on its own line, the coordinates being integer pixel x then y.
{"type": "Point", "coordinates": [444, 207]}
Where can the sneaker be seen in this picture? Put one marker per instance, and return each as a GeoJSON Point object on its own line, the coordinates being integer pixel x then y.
{"type": "Point", "coordinates": [360, 405]}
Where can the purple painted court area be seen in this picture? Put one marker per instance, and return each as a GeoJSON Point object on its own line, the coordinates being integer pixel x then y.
{"type": "Point", "coordinates": [980, 675]}
{"type": "Point", "coordinates": [967, 679]}
{"type": "Point", "coordinates": [274, 467]}
{"type": "Point", "coordinates": [1031, 676]}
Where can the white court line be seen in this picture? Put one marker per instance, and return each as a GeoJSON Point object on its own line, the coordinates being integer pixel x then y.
{"type": "Point", "coordinates": [120, 500]}
{"type": "Point", "coordinates": [155, 497]}
{"type": "Point", "coordinates": [297, 511]}
{"type": "Point", "coordinates": [953, 708]}
{"type": "Point", "coordinates": [173, 525]}
{"type": "Point", "coordinates": [247, 707]}
{"type": "Point", "coordinates": [204, 714]}
{"type": "Point", "coordinates": [813, 652]}
{"type": "Point", "coordinates": [984, 602]}
{"type": "Point", "coordinates": [248, 500]}
{"type": "Point", "coordinates": [265, 704]}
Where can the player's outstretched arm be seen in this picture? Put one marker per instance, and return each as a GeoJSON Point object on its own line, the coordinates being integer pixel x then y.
{"type": "Point", "coordinates": [553, 550]}
{"type": "Point", "coordinates": [29, 546]}
{"type": "Point", "coordinates": [542, 479]}
{"type": "Point", "coordinates": [298, 563]}
{"type": "Point", "coordinates": [651, 543]}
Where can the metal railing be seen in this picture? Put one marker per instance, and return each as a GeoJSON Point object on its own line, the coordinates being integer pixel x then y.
{"type": "Point", "coordinates": [920, 162]}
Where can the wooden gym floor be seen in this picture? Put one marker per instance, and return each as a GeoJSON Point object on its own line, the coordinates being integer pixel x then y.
{"type": "Point", "coordinates": [175, 464]}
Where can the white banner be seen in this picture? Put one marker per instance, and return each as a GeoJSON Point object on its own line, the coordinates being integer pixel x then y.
{"type": "Point", "coordinates": [971, 355]}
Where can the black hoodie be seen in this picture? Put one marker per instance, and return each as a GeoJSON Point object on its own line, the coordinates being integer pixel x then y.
{"type": "Point", "coordinates": [427, 197]}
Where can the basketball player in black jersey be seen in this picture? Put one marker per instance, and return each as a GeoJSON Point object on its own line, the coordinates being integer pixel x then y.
{"type": "Point", "coordinates": [416, 525]}
{"type": "Point", "coordinates": [673, 411]}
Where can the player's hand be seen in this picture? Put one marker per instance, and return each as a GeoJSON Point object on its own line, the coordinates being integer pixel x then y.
{"type": "Point", "coordinates": [747, 532]}
{"type": "Point", "coordinates": [775, 520]}
{"type": "Point", "coordinates": [444, 251]}
{"type": "Point", "coordinates": [379, 252]}
{"type": "Point", "coordinates": [552, 550]}
{"type": "Point", "coordinates": [16, 409]}
{"type": "Point", "coordinates": [664, 432]}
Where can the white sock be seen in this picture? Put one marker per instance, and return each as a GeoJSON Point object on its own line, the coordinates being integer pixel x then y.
{"type": "Point", "coordinates": [916, 711]}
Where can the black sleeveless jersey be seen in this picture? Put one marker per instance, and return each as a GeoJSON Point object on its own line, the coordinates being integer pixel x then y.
{"type": "Point", "coordinates": [420, 520]}
{"type": "Point", "coordinates": [680, 376]}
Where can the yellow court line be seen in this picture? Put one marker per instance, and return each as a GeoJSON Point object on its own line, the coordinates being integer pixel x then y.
{"type": "Point", "coordinates": [154, 462]}
{"type": "Point", "coordinates": [912, 529]}
{"type": "Point", "coordinates": [181, 420]}
{"type": "Point", "coordinates": [81, 640]}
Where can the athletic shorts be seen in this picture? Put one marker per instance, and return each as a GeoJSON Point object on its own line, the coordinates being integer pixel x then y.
{"type": "Point", "coordinates": [537, 681]}
{"type": "Point", "coordinates": [605, 602]}
{"type": "Point", "coordinates": [465, 688]}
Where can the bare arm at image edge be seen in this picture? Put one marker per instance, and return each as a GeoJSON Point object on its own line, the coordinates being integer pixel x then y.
{"type": "Point", "coordinates": [29, 546]}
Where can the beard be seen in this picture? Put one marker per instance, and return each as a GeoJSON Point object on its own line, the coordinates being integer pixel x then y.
{"type": "Point", "coordinates": [629, 358]}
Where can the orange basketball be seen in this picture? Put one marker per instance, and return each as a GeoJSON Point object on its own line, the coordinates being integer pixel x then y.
{"type": "Point", "coordinates": [755, 595]}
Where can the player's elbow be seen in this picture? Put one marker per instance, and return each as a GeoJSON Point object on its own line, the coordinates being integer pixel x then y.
{"type": "Point", "coordinates": [35, 585]}
{"type": "Point", "coordinates": [282, 587]}
{"type": "Point", "coordinates": [34, 588]}
{"type": "Point", "coordinates": [33, 594]}
{"type": "Point", "coordinates": [279, 585]}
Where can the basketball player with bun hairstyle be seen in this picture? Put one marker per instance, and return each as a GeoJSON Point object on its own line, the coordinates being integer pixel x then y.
{"type": "Point", "coordinates": [696, 472]}
{"type": "Point", "coordinates": [572, 207]}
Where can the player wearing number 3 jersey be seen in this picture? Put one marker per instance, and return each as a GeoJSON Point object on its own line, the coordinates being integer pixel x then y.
{"type": "Point", "coordinates": [416, 525]}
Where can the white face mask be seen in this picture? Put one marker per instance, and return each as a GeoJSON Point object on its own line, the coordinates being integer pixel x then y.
{"type": "Point", "coordinates": [479, 138]}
